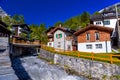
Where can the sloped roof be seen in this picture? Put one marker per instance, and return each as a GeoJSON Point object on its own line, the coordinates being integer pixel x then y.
{"type": "Point", "coordinates": [62, 29]}
{"type": "Point", "coordinates": [94, 27]}
{"type": "Point", "coordinates": [50, 29]}
{"type": "Point", "coordinates": [24, 27]}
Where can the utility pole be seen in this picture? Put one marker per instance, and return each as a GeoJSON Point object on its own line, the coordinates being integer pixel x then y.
{"type": "Point", "coordinates": [118, 27]}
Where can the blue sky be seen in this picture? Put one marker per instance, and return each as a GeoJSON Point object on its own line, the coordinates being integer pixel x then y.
{"type": "Point", "coordinates": [51, 11]}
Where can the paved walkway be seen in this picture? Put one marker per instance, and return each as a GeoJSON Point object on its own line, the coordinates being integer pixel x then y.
{"type": "Point", "coordinates": [6, 71]}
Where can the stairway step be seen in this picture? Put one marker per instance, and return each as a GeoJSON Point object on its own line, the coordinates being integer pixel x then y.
{"type": "Point", "coordinates": [9, 77]}
{"type": "Point", "coordinates": [7, 70]}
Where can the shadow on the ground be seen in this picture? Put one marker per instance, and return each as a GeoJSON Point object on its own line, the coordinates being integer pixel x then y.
{"type": "Point", "coordinates": [19, 69]}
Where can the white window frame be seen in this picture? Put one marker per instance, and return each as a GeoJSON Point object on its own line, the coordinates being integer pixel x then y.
{"type": "Point", "coordinates": [98, 46]}
{"type": "Point", "coordinates": [87, 36]}
{"type": "Point", "coordinates": [89, 46]}
{"type": "Point", "coordinates": [106, 21]}
{"type": "Point", "coordinates": [98, 22]}
{"type": "Point", "coordinates": [96, 36]}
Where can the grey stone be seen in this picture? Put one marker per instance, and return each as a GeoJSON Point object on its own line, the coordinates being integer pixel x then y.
{"type": "Point", "coordinates": [5, 71]}
{"type": "Point", "coordinates": [9, 77]}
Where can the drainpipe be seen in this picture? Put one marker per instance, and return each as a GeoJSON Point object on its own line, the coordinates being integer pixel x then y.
{"type": "Point", "coordinates": [106, 46]}
{"type": "Point", "coordinates": [64, 41]}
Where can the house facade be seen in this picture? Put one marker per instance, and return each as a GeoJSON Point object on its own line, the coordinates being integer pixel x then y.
{"type": "Point", "coordinates": [50, 42]}
{"type": "Point", "coordinates": [64, 39]}
{"type": "Point", "coordinates": [107, 19]}
{"type": "Point", "coordinates": [21, 28]}
{"type": "Point", "coordinates": [95, 39]}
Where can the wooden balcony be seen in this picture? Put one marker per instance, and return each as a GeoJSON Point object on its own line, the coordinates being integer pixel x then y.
{"type": "Point", "coordinates": [22, 42]}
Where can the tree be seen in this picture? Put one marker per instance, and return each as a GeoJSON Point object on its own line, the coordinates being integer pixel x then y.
{"type": "Point", "coordinates": [85, 19]}
{"type": "Point", "coordinates": [96, 13]}
{"type": "Point", "coordinates": [76, 22]}
{"type": "Point", "coordinates": [58, 23]}
{"type": "Point", "coordinates": [18, 19]}
{"type": "Point", "coordinates": [8, 21]}
{"type": "Point", "coordinates": [38, 32]}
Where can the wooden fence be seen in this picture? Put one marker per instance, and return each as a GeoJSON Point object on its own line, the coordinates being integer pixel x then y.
{"type": "Point", "coordinates": [101, 57]}
{"type": "Point", "coordinates": [105, 57]}
{"type": "Point", "coordinates": [15, 41]}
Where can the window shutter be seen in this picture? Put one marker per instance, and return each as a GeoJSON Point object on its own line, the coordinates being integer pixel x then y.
{"type": "Point", "coordinates": [60, 35]}
{"type": "Point", "coordinates": [56, 35]}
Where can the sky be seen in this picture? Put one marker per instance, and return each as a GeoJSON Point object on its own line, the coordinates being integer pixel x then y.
{"type": "Point", "coordinates": [51, 11]}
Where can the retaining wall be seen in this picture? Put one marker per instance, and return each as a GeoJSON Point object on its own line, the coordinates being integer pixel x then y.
{"type": "Point", "coordinates": [94, 69]}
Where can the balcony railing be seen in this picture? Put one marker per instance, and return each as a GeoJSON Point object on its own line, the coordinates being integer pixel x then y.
{"type": "Point", "coordinates": [16, 41]}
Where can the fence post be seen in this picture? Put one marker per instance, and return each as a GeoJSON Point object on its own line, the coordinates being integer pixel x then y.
{"type": "Point", "coordinates": [78, 55]}
{"type": "Point", "coordinates": [68, 53]}
{"type": "Point", "coordinates": [111, 60]}
{"type": "Point", "coordinates": [92, 55]}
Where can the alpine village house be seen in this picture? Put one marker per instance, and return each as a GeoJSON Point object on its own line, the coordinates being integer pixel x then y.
{"type": "Point", "coordinates": [95, 39]}
{"type": "Point", "coordinates": [62, 39]}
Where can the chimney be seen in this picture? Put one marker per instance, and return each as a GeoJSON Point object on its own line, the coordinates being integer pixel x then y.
{"type": "Point", "coordinates": [60, 25]}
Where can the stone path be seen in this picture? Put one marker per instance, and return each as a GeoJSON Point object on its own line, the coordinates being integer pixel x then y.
{"type": "Point", "coordinates": [6, 71]}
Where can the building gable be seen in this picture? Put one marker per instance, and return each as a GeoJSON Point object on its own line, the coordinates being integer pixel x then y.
{"type": "Point", "coordinates": [94, 27]}
{"type": "Point", "coordinates": [103, 36]}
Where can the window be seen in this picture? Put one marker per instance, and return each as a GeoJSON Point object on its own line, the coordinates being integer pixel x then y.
{"type": "Point", "coordinates": [97, 37]}
{"type": "Point", "coordinates": [88, 36]}
{"type": "Point", "coordinates": [89, 46]}
{"type": "Point", "coordinates": [59, 44]}
{"type": "Point", "coordinates": [68, 47]}
{"type": "Point", "coordinates": [98, 46]}
{"type": "Point", "coordinates": [98, 22]}
{"type": "Point", "coordinates": [107, 22]}
{"type": "Point", "coordinates": [50, 44]}
{"type": "Point", "coordinates": [58, 36]}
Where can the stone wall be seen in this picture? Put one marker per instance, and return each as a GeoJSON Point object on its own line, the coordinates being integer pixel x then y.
{"type": "Point", "coordinates": [94, 69]}
{"type": "Point", "coordinates": [4, 43]}
{"type": "Point", "coordinates": [46, 54]}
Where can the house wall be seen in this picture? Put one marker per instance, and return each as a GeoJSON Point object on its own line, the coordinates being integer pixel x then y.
{"type": "Point", "coordinates": [106, 47]}
{"type": "Point", "coordinates": [103, 36]}
{"type": "Point", "coordinates": [63, 42]}
{"type": "Point", "coordinates": [68, 42]}
{"type": "Point", "coordinates": [112, 23]}
{"type": "Point", "coordinates": [19, 31]}
{"type": "Point", "coordinates": [104, 40]}
{"type": "Point", "coordinates": [52, 44]}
